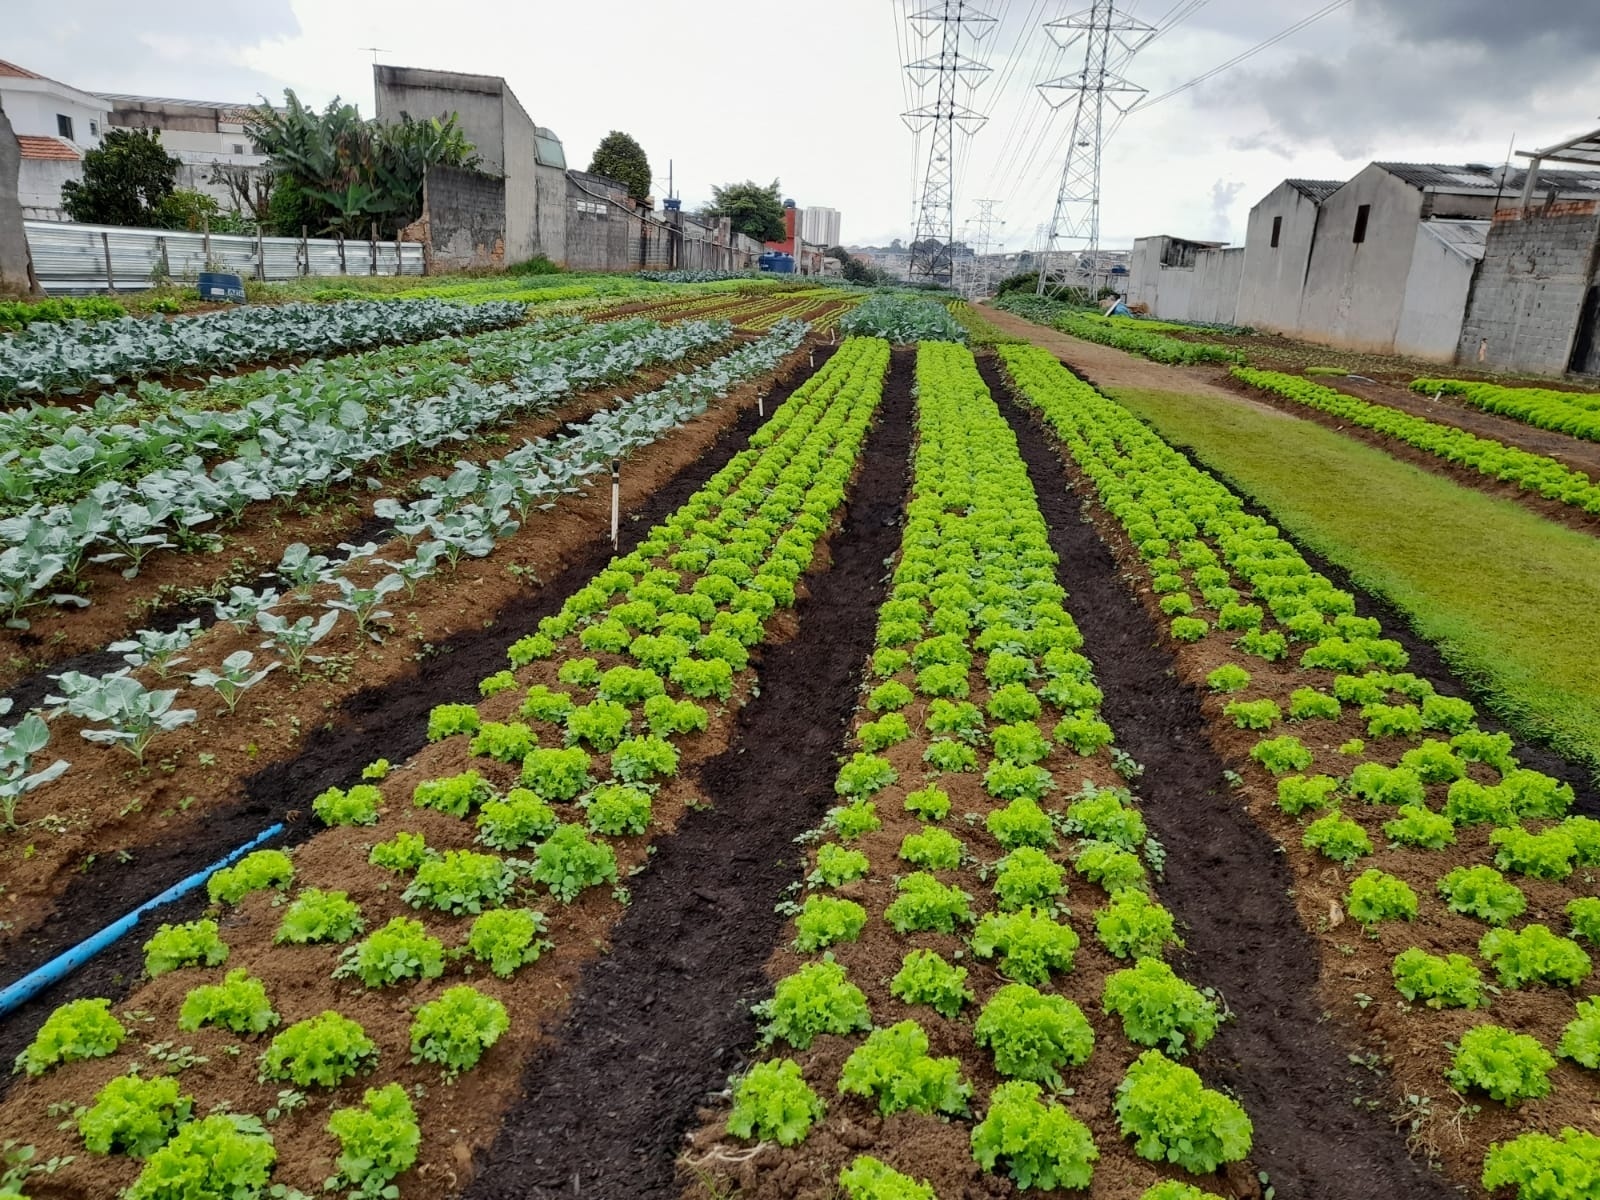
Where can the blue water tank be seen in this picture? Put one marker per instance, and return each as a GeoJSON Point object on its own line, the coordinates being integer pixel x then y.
{"type": "Point", "coordinates": [778, 264]}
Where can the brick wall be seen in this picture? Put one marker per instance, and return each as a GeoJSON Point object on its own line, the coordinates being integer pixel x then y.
{"type": "Point", "coordinates": [1525, 303]}
{"type": "Point", "coordinates": [465, 214]}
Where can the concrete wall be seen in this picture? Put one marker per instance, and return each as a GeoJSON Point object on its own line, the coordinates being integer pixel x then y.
{"type": "Point", "coordinates": [550, 213]}
{"type": "Point", "coordinates": [1205, 290]}
{"type": "Point", "coordinates": [1435, 299]}
{"type": "Point", "coordinates": [522, 188]}
{"type": "Point", "coordinates": [1272, 278]}
{"type": "Point", "coordinates": [39, 186]}
{"type": "Point", "coordinates": [1538, 264]}
{"type": "Point", "coordinates": [1355, 292]}
{"type": "Point", "coordinates": [478, 100]}
{"type": "Point", "coordinates": [601, 235]}
{"type": "Point", "coordinates": [464, 221]}
{"type": "Point", "coordinates": [16, 268]}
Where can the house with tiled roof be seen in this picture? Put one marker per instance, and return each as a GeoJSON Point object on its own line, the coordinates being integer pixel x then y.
{"type": "Point", "coordinates": [55, 124]}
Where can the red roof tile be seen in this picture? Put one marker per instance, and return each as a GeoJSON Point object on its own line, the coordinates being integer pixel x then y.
{"type": "Point", "coordinates": [46, 147]}
{"type": "Point", "coordinates": [16, 72]}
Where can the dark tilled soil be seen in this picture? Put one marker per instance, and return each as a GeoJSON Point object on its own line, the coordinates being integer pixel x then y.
{"type": "Point", "coordinates": [389, 722]}
{"type": "Point", "coordinates": [1226, 882]}
{"type": "Point", "coordinates": [663, 1019]}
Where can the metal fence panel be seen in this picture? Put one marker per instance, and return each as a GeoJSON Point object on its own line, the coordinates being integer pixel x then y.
{"type": "Point", "coordinates": [72, 258]}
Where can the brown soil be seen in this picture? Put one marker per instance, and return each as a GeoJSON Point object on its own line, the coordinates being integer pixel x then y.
{"type": "Point", "coordinates": [1566, 514]}
{"type": "Point", "coordinates": [1404, 1047]}
{"type": "Point", "coordinates": [663, 1019]}
{"type": "Point", "coordinates": [457, 1122]}
{"type": "Point", "coordinates": [114, 836]}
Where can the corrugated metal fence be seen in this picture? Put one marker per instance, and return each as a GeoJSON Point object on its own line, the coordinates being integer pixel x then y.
{"type": "Point", "coordinates": [74, 258]}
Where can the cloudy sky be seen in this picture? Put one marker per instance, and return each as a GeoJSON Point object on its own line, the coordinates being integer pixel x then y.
{"type": "Point", "coordinates": [812, 93]}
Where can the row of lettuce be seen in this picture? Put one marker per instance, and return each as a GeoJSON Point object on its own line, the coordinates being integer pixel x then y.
{"type": "Point", "coordinates": [1135, 335]}
{"type": "Point", "coordinates": [967, 805]}
{"type": "Point", "coordinates": [1574, 413]}
{"type": "Point", "coordinates": [1377, 776]}
{"type": "Point", "coordinates": [569, 751]}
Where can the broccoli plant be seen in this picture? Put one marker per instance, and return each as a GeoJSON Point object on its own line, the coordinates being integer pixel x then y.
{"type": "Point", "coordinates": [133, 715]}
{"type": "Point", "coordinates": [233, 679]}
{"type": "Point", "coordinates": [157, 649]}
{"type": "Point", "coordinates": [294, 640]}
{"type": "Point", "coordinates": [19, 744]}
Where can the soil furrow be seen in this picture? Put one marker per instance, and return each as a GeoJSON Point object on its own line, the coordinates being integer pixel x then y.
{"type": "Point", "coordinates": [389, 722]}
{"type": "Point", "coordinates": [662, 1020]}
{"type": "Point", "coordinates": [1312, 1138]}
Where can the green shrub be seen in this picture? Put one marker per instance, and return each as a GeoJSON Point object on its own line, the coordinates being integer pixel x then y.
{"type": "Point", "coordinates": [1032, 1035]}
{"type": "Point", "coordinates": [457, 1028]}
{"type": "Point", "coordinates": [399, 951]}
{"type": "Point", "coordinates": [926, 978]}
{"type": "Point", "coordinates": [893, 1068]}
{"type": "Point", "coordinates": [507, 938]}
{"type": "Point", "coordinates": [133, 1116]}
{"type": "Point", "coordinates": [1449, 982]}
{"type": "Point", "coordinates": [378, 1139]}
{"type": "Point", "coordinates": [1508, 1066]}
{"type": "Point", "coordinates": [1160, 1009]}
{"type": "Point", "coordinates": [324, 1050]}
{"type": "Point", "coordinates": [774, 1103]}
{"type": "Point", "coordinates": [1029, 943]}
{"type": "Point", "coordinates": [1042, 1145]}
{"type": "Point", "coordinates": [824, 920]}
{"type": "Point", "coordinates": [226, 1154]}
{"type": "Point", "coordinates": [238, 1004]}
{"type": "Point", "coordinates": [358, 806]}
{"type": "Point", "coordinates": [568, 861]}
{"type": "Point", "coordinates": [73, 1032]}
{"type": "Point", "coordinates": [816, 999]}
{"type": "Point", "coordinates": [1172, 1118]}
{"type": "Point", "coordinates": [191, 944]}
{"type": "Point", "coordinates": [253, 873]}
{"type": "Point", "coordinates": [1375, 896]}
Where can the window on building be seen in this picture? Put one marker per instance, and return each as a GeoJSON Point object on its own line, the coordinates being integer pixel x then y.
{"type": "Point", "coordinates": [1277, 230]}
{"type": "Point", "coordinates": [1362, 214]}
{"type": "Point", "coordinates": [64, 125]}
{"type": "Point", "coordinates": [238, 147]}
{"type": "Point", "coordinates": [94, 128]}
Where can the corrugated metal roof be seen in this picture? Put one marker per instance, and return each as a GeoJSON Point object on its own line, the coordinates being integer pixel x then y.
{"type": "Point", "coordinates": [1317, 190]}
{"type": "Point", "coordinates": [230, 108]}
{"type": "Point", "coordinates": [16, 72]}
{"type": "Point", "coordinates": [1466, 238]}
{"type": "Point", "coordinates": [1474, 177]}
{"type": "Point", "coordinates": [46, 147]}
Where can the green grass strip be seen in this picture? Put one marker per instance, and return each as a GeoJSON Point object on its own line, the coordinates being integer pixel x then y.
{"type": "Point", "coordinates": [1508, 597]}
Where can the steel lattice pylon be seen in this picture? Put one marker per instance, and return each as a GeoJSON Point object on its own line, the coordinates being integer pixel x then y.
{"type": "Point", "coordinates": [1072, 245]}
{"type": "Point", "coordinates": [951, 20]}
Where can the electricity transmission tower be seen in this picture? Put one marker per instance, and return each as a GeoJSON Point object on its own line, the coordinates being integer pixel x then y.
{"type": "Point", "coordinates": [952, 22]}
{"type": "Point", "coordinates": [1072, 246]}
{"type": "Point", "coordinates": [985, 221]}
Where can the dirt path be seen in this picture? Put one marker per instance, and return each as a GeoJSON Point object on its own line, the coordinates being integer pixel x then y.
{"type": "Point", "coordinates": [1313, 1136]}
{"type": "Point", "coordinates": [663, 1019]}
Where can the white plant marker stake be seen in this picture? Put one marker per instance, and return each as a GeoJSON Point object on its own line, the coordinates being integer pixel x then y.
{"type": "Point", "coordinates": [616, 500]}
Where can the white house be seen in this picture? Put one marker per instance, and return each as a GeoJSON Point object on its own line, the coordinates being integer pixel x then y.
{"type": "Point", "coordinates": [55, 124]}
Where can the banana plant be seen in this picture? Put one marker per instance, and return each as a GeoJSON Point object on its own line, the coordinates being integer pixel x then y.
{"type": "Point", "coordinates": [234, 678]}
{"type": "Point", "coordinates": [18, 746]}
{"type": "Point", "coordinates": [133, 714]}
{"type": "Point", "coordinates": [294, 639]}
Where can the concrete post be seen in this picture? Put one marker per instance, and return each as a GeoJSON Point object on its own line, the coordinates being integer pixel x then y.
{"type": "Point", "coordinates": [305, 252]}
{"type": "Point", "coordinates": [111, 279]}
{"type": "Point", "coordinates": [1531, 183]}
{"type": "Point", "coordinates": [261, 255]}
{"type": "Point", "coordinates": [205, 242]}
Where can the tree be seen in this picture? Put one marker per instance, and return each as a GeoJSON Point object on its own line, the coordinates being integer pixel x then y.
{"type": "Point", "coordinates": [124, 180]}
{"type": "Point", "coordinates": [345, 173]}
{"type": "Point", "coordinates": [250, 188]}
{"type": "Point", "coordinates": [621, 158]}
{"type": "Point", "coordinates": [855, 271]}
{"type": "Point", "coordinates": [755, 211]}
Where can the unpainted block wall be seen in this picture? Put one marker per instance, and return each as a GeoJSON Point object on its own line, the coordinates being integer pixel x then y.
{"type": "Point", "coordinates": [16, 275]}
{"type": "Point", "coordinates": [466, 215]}
{"type": "Point", "coordinates": [1524, 309]}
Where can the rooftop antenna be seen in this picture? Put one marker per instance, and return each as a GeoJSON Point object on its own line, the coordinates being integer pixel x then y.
{"type": "Point", "coordinates": [376, 50]}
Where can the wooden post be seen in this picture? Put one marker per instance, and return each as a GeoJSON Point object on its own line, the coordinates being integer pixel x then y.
{"type": "Point", "coordinates": [205, 242]}
{"type": "Point", "coordinates": [305, 253]}
{"type": "Point", "coordinates": [372, 250]}
{"type": "Point", "coordinates": [261, 255]}
{"type": "Point", "coordinates": [340, 236]}
{"type": "Point", "coordinates": [111, 279]}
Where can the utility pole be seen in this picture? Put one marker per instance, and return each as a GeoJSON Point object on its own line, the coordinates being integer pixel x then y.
{"type": "Point", "coordinates": [950, 20]}
{"type": "Point", "coordinates": [1072, 246]}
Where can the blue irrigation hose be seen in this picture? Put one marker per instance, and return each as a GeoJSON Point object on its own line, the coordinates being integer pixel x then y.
{"type": "Point", "coordinates": [58, 968]}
